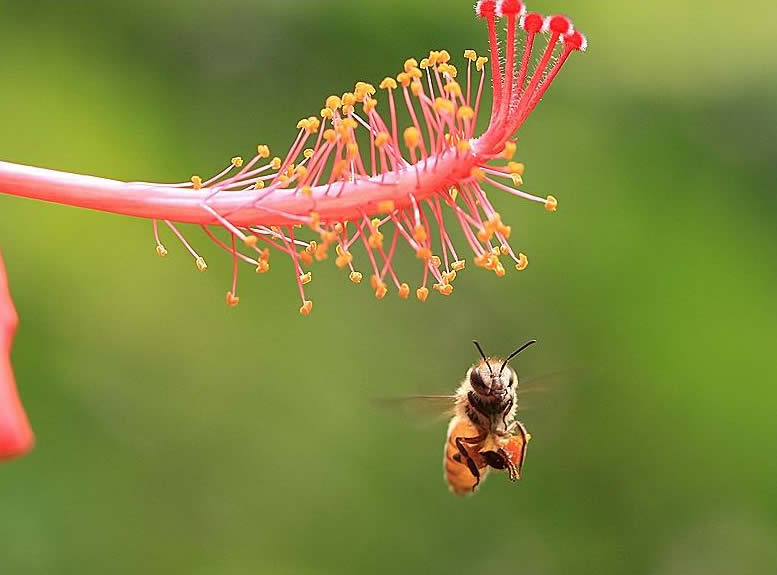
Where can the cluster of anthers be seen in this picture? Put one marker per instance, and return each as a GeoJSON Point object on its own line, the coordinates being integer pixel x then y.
{"type": "Point", "coordinates": [355, 177]}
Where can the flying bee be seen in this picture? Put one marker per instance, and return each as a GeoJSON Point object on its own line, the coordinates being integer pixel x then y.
{"type": "Point", "coordinates": [483, 433]}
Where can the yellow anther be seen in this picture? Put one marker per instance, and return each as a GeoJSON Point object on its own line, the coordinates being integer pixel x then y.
{"type": "Point", "coordinates": [404, 79]}
{"type": "Point", "coordinates": [386, 206]}
{"type": "Point", "coordinates": [449, 70]}
{"type": "Point", "coordinates": [237, 161]}
{"type": "Point", "coordinates": [436, 261]}
{"type": "Point", "coordinates": [481, 61]}
{"type": "Point", "coordinates": [381, 290]}
{"type": "Point", "coordinates": [330, 135]}
{"type": "Point", "coordinates": [265, 255]}
{"type": "Point", "coordinates": [523, 262]}
{"type": "Point", "coordinates": [333, 103]}
{"type": "Point", "coordinates": [443, 106]}
{"type": "Point", "coordinates": [201, 265]}
{"type": "Point", "coordinates": [311, 248]}
{"type": "Point", "coordinates": [328, 237]}
{"type": "Point", "coordinates": [484, 235]}
{"type": "Point", "coordinates": [410, 64]}
{"type": "Point", "coordinates": [370, 105]}
{"type": "Point", "coordinates": [453, 88]}
{"type": "Point", "coordinates": [492, 262]}
{"type": "Point", "coordinates": [349, 99]}
{"type": "Point", "coordinates": [263, 151]}
{"type": "Point", "coordinates": [363, 89]}
{"type": "Point", "coordinates": [258, 184]}
{"type": "Point", "coordinates": [506, 231]}
{"type": "Point", "coordinates": [415, 73]}
{"type": "Point", "coordinates": [339, 228]}
{"type": "Point", "coordinates": [301, 172]}
{"type": "Point", "coordinates": [349, 123]}
{"type": "Point", "coordinates": [196, 182]}
{"type": "Point", "coordinates": [444, 56]}
{"type": "Point", "coordinates": [516, 168]}
{"type": "Point", "coordinates": [412, 137]}
{"type": "Point", "coordinates": [327, 113]}
{"type": "Point", "coordinates": [422, 293]}
{"type": "Point", "coordinates": [444, 289]}
{"type": "Point", "coordinates": [517, 179]}
{"type": "Point", "coordinates": [453, 193]}
{"type": "Point", "coordinates": [306, 258]}
{"type": "Point", "coordinates": [343, 259]}
{"type": "Point", "coordinates": [306, 191]}
{"type": "Point", "coordinates": [462, 147]}
{"type": "Point", "coordinates": [352, 150]}
{"type": "Point", "coordinates": [338, 168]}
{"type": "Point", "coordinates": [356, 277]}
{"type": "Point", "coordinates": [375, 223]}
{"type": "Point", "coordinates": [551, 204]}
{"type": "Point", "coordinates": [375, 240]}
{"type": "Point", "coordinates": [315, 221]}
{"type": "Point", "coordinates": [232, 300]}
{"type": "Point", "coordinates": [305, 278]}
{"type": "Point", "coordinates": [499, 270]}
{"type": "Point", "coordinates": [388, 84]}
{"type": "Point", "coordinates": [509, 150]}
{"type": "Point", "coordinates": [303, 124]}
{"type": "Point", "coordinates": [161, 251]}
{"type": "Point", "coordinates": [416, 88]}
{"type": "Point", "coordinates": [262, 267]}
{"type": "Point", "coordinates": [306, 308]}
{"type": "Point", "coordinates": [275, 164]}
{"type": "Point", "coordinates": [419, 233]}
{"type": "Point", "coordinates": [308, 153]}
{"type": "Point", "coordinates": [434, 57]}
{"type": "Point", "coordinates": [470, 55]}
{"type": "Point", "coordinates": [322, 252]}
{"type": "Point", "coordinates": [423, 254]}
{"type": "Point", "coordinates": [424, 63]}
{"type": "Point", "coordinates": [465, 112]}
{"type": "Point", "coordinates": [313, 124]}
{"type": "Point", "coordinates": [382, 139]}
{"type": "Point", "coordinates": [251, 241]}
{"type": "Point", "coordinates": [404, 291]}
{"type": "Point", "coordinates": [458, 265]}
{"type": "Point", "coordinates": [477, 173]}
{"type": "Point", "coordinates": [448, 277]}
{"type": "Point", "coordinates": [481, 260]}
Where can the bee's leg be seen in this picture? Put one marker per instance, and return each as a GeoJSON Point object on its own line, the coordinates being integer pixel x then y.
{"type": "Point", "coordinates": [471, 465]}
{"type": "Point", "coordinates": [506, 412]}
{"type": "Point", "coordinates": [524, 444]}
{"type": "Point", "coordinates": [512, 470]}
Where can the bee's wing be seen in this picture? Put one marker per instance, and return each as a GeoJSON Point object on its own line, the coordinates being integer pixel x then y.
{"type": "Point", "coordinates": [423, 408]}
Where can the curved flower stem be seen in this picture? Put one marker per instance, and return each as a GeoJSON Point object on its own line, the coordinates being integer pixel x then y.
{"type": "Point", "coordinates": [244, 208]}
{"type": "Point", "coordinates": [16, 437]}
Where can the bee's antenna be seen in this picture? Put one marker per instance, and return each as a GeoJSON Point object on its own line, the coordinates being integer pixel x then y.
{"type": "Point", "coordinates": [483, 355]}
{"type": "Point", "coordinates": [516, 352]}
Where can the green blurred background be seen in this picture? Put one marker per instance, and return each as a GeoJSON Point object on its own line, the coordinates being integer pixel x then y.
{"type": "Point", "coordinates": [176, 435]}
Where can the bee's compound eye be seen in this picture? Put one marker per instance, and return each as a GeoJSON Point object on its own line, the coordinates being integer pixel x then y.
{"type": "Point", "coordinates": [476, 379]}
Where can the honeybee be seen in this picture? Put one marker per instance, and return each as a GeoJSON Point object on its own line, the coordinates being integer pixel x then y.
{"type": "Point", "coordinates": [483, 433]}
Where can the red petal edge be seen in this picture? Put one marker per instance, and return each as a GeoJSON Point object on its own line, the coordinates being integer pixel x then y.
{"type": "Point", "coordinates": [16, 437]}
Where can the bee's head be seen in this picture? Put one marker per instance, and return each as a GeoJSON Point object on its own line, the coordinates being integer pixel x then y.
{"type": "Point", "coordinates": [486, 378]}
{"type": "Point", "coordinates": [494, 377]}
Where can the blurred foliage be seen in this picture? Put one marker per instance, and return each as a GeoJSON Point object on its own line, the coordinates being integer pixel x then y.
{"type": "Point", "coordinates": [176, 435]}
